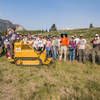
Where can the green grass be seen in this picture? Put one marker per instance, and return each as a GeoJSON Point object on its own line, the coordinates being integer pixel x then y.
{"type": "Point", "coordinates": [58, 81]}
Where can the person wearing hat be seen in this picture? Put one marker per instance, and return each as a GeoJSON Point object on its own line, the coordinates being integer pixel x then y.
{"type": "Point", "coordinates": [72, 45]}
{"type": "Point", "coordinates": [64, 45]}
{"type": "Point", "coordinates": [82, 44]}
{"type": "Point", "coordinates": [96, 48]}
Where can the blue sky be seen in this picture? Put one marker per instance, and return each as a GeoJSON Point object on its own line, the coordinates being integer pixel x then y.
{"type": "Point", "coordinates": [41, 14]}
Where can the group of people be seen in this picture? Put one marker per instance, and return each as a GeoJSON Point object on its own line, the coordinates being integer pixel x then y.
{"type": "Point", "coordinates": [56, 46]}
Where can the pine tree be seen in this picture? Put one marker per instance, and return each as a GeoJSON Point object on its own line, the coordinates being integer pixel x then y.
{"type": "Point", "coordinates": [91, 25]}
{"type": "Point", "coordinates": [53, 28]}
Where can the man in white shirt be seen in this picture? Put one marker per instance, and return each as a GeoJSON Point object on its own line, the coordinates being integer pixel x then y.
{"type": "Point", "coordinates": [40, 44]}
{"type": "Point", "coordinates": [82, 44]}
{"type": "Point", "coordinates": [35, 43]}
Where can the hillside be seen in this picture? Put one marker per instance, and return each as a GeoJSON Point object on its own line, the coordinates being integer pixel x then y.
{"type": "Point", "coordinates": [6, 23]}
{"type": "Point", "coordinates": [87, 32]}
{"type": "Point", "coordinates": [19, 27]}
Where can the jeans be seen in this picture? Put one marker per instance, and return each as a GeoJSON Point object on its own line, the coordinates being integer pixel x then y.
{"type": "Point", "coordinates": [71, 54]}
{"type": "Point", "coordinates": [54, 53]}
{"type": "Point", "coordinates": [47, 52]}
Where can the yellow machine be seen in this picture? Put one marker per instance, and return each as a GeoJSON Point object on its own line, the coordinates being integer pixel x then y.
{"type": "Point", "coordinates": [24, 54]}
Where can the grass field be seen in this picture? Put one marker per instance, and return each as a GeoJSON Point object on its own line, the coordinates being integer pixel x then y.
{"type": "Point", "coordinates": [58, 81]}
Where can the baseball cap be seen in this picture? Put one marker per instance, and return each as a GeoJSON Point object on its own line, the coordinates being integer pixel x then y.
{"type": "Point", "coordinates": [96, 35]}
{"type": "Point", "coordinates": [81, 35]}
{"type": "Point", "coordinates": [72, 36]}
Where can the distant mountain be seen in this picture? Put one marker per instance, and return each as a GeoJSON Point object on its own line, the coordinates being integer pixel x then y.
{"type": "Point", "coordinates": [19, 27]}
{"type": "Point", "coordinates": [4, 24]}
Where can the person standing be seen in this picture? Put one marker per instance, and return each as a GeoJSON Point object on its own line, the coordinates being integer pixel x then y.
{"type": "Point", "coordinates": [40, 44]}
{"type": "Point", "coordinates": [96, 48]}
{"type": "Point", "coordinates": [12, 41]}
{"type": "Point", "coordinates": [58, 49]}
{"type": "Point", "coordinates": [48, 47]}
{"type": "Point", "coordinates": [54, 48]}
{"type": "Point", "coordinates": [6, 43]}
{"type": "Point", "coordinates": [82, 44]}
{"type": "Point", "coordinates": [64, 45]}
{"type": "Point", "coordinates": [72, 45]}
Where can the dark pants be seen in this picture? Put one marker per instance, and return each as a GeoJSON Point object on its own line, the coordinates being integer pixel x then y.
{"type": "Point", "coordinates": [95, 53]}
{"type": "Point", "coordinates": [82, 55]}
{"type": "Point", "coordinates": [3, 50]}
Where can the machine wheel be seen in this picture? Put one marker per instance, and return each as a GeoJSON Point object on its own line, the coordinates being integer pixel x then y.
{"type": "Point", "coordinates": [18, 61]}
{"type": "Point", "coordinates": [28, 61]}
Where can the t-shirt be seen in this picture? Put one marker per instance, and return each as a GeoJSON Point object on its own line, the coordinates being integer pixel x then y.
{"type": "Point", "coordinates": [25, 40]}
{"type": "Point", "coordinates": [35, 44]}
{"type": "Point", "coordinates": [48, 44]}
{"type": "Point", "coordinates": [9, 35]}
{"type": "Point", "coordinates": [82, 44]}
{"type": "Point", "coordinates": [40, 43]}
{"type": "Point", "coordinates": [96, 43]}
{"type": "Point", "coordinates": [76, 40]}
{"type": "Point", "coordinates": [58, 42]}
{"type": "Point", "coordinates": [44, 41]}
{"type": "Point", "coordinates": [55, 43]}
{"type": "Point", "coordinates": [13, 37]}
{"type": "Point", "coordinates": [64, 41]}
{"type": "Point", "coordinates": [72, 44]}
